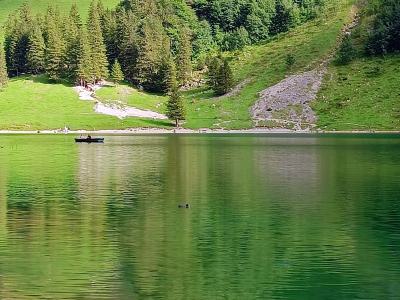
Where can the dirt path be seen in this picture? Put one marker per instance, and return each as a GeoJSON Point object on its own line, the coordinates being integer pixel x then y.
{"type": "Point", "coordinates": [116, 109]}
{"type": "Point", "coordinates": [123, 112]}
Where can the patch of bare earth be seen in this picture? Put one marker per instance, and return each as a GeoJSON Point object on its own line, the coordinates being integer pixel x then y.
{"type": "Point", "coordinates": [287, 104]}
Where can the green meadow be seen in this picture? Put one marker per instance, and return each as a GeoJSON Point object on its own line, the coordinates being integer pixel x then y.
{"type": "Point", "coordinates": [33, 103]}
{"type": "Point", "coordinates": [363, 95]}
{"type": "Point", "coordinates": [38, 6]}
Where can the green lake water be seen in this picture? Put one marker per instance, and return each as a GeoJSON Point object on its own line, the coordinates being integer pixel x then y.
{"type": "Point", "coordinates": [271, 217]}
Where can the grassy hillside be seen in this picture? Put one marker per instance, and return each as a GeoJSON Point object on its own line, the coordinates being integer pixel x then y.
{"type": "Point", "coordinates": [132, 97]}
{"type": "Point", "coordinates": [363, 95]}
{"type": "Point", "coordinates": [32, 103]}
{"type": "Point", "coordinates": [36, 104]}
{"type": "Point", "coordinates": [8, 6]}
{"type": "Point", "coordinates": [265, 65]}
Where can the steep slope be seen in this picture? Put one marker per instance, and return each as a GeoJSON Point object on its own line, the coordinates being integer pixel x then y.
{"type": "Point", "coordinates": [364, 94]}
{"type": "Point", "coordinates": [263, 66]}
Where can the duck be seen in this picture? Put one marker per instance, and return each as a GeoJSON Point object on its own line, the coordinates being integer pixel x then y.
{"type": "Point", "coordinates": [186, 205]}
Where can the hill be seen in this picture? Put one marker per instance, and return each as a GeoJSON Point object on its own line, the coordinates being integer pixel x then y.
{"type": "Point", "coordinates": [360, 95]}
{"type": "Point", "coordinates": [363, 94]}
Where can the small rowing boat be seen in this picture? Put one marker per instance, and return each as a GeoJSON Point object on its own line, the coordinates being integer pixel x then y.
{"type": "Point", "coordinates": [89, 140]}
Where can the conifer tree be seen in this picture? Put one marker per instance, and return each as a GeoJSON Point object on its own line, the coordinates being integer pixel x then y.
{"type": "Point", "coordinates": [26, 19]}
{"type": "Point", "coordinates": [184, 58]}
{"type": "Point", "coordinates": [36, 50]}
{"type": "Point", "coordinates": [153, 49]}
{"type": "Point", "coordinates": [225, 78]}
{"type": "Point", "coordinates": [73, 25]}
{"type": "Point", "coordinates": [11, 40]}
{"type": "Point", "coordinates": [214, 67]}
{"type": "Point", "coordinates": [75, 17]}
{"type": "Point", "coordinates": [220, 76]}
{"type": "Point", "coordinates": [346, 51]}
{"type": "Point", "coordinates": [116, 72]}
{"type": "Point", "coordinates": [175, 110]}
{"type": "Point", "coordinates": [96, 41]}
{"type": "Point", "coordinates": [18, 29]}
{"type": "Point", "coordinates": [127, 44]}
{"type": "Point", "coordinates": [109, 28]}
{"type": "Point", "coordinates": [54, 52]}
{"type": "Point", "coordinates": [3, 68]}
{"type": "Point", "coordinates": [83, 72]}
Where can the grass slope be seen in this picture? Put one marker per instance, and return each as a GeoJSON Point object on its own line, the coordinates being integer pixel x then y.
{"type": "Point", "coordinates": [265, 65]}
{"type": "Point", "coordinates": [363, 95]}
{"type": "Point", "coordinates": [32, 103]}
{"type": "Point", "coordinates": [132, 97]}
{"type": "Point", "coordinates": [40, 6]}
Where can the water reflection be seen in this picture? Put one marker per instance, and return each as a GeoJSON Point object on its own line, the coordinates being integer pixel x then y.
{"type": "Point", "coordinates": [271, 218]}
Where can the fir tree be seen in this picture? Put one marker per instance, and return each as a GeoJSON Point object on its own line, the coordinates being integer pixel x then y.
{"type": "Point", "coordinates": [109, 28]}
{"type": "Point", "coordinates": [127, 44]}
{"type": "Point", "coordinates": [220, 76]}
{"type": "Point", "coordinates": [346, 51]}
{"type": "Point", "coordinates": [54, 52]}
{"type": "Point", "coordinates": [75, 17]}
{"type": "Point", "coordinates": [290, 60]}
{"type": "Point", "coordinates": [116, 72]}
{"type": "Point", "coordinates": [214, 67]}
{"type": "Point", "coordinates": [224, 78]}
{"type": "Point", "coordinates": [36, 50]}
{"type": "Point", "coordinates": [3, 68]}
{"type": "Point", "coordinates": [153, 50]}
{"type": "Point", "coordinates": [18, 29]}
{"type": "Point", "coordinates": [11, 40]}
{"type": "Point", "coordinates": [175, 109]}
{"type": "Point", "coordinates": [96, 41]}
{"type": "Point", "coordinates": [184, 58]}
{"type": "Point", "coordinates": [83, 72]}
{"type": "Point", "coordinates": [73, 25]}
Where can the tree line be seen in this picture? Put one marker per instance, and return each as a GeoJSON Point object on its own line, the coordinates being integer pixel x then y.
{"type": "Point", "coordinates": [142, 37]}
{"type": "Point", "coordinates": [236, 23]}
{"type": "Point", "coordinates": [383, 36]}
{"type": "Point", "coordinates": [3, 70]}
{"type": "Point", "coordinates": [60, 46]}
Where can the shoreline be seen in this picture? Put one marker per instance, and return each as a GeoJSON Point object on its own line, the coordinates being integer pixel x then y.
{"type": "Point", "coordinates": [156, 131]}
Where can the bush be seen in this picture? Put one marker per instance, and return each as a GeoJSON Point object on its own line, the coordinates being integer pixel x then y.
{"type": "Point", "coordinates": [385, 34]}
{"type": "Point", "coordinates": [290, 60]}
{"type": "Point", "coordinates": [346, 52]}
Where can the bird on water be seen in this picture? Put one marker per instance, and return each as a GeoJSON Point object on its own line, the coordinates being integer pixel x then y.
{"type": "Point", "coordinates": [184, 205]}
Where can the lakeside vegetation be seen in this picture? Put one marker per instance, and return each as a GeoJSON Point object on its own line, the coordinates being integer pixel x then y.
{"type": "Point", "coordinates": [349, 99]}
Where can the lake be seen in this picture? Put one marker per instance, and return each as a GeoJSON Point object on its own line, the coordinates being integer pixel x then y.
{"type": "Point", "coordinates": [271, 217]}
